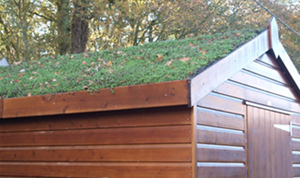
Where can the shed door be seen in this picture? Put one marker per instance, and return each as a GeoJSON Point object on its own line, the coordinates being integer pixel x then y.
{"type": "Point", "coordinates": [269, 144]}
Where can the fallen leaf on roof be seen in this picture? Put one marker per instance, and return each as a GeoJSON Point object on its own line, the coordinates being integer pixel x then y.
{"type": "Point", "coordinates": [191, 45]}
{"type": "Point", "coordinates": [169, 63]}
{"type": "Point", "coordinates": [109, 63]}
{"type": "Point", "coordinates": [185, 59]}
{"type": "Point", "coordinates": [83, 62]}
{"type": "Point", "coordinates": [85, 55]}
{"type": "Point", "coordinates": [160, 57]}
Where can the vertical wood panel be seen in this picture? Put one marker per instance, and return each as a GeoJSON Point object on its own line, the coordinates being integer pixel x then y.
{"type": "Point", "coordinates": [268, 145]}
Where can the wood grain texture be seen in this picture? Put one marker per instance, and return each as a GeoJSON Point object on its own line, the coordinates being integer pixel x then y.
{"type": "Point", "coordinates": [269, 60]}
{"type": "Point", "coordinates": [129, 97]}
{"type": "Point", "coordinates": [221, 103]}
{"type": "Point", "coordinates": [220, 119]}
{"type": "Point", "coordinates": [164, 134]}
{"type": "Point", "coordinates": [177, 115]}
{"type": "Point", "coordinates": [267, 72]}
{"type": "Point", "coordinates": [220, 138]}
{"type": "Point", "coordinates": [265, 85]}
{"type": "Point", "coordinates": [270, 150]}
{"type": "Point", "coordinates": [194, 115]}
{"type": "Point", "coordinates": [296, 146]}
{"type": "Point", "coordinates": [205, 82]}
{"type": "Point", "coordinates": [242, 92]}
{"type": "Point", "coordinates": [224, 172]}
{"type": "Point", "coordinates": [111, 170]}
{"type": "Point", "coordinates": [296, 171]}
{"type": "Point", "coordinates": [221, 155]}
{"type": "Point", "coordinates": [290, 69]}
{"type": "Point", "coordinates": [123, 153]}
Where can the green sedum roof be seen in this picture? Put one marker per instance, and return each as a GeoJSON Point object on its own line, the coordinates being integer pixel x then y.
{"type": "Point", "coordinates": [149, 63]}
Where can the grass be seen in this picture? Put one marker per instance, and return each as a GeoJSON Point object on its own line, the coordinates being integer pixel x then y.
{"type": "Point", "coordinates": [149, 63]}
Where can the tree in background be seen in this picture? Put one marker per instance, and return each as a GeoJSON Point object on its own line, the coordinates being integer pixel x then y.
{"type": "Point", "coordinates": [32, 29]}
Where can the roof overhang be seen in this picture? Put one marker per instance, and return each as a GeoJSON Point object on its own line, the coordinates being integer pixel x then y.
{"type": "Point", "coordinates": [212, 77]}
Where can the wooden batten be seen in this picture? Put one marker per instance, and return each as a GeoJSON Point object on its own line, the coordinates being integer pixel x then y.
{"type": "Point", "coordinates": [128, 97]}
{"type": "Point", "coordinates": [205, 82]}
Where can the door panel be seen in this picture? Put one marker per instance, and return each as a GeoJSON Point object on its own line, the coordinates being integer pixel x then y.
{"type": "Point", "coordinates": [270, 147]}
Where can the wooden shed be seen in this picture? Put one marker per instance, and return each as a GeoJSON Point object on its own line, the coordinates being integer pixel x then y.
{"type": "Point", "coordinates": [238, 118]}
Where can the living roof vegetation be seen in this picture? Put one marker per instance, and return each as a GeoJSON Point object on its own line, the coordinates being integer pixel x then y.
{"type": "Point", "coordinates": [150, 63]}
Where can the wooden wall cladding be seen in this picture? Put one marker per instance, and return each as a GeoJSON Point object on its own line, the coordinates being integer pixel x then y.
{"type": "Point", "coordinates": [152, 142]}
{"type": "Point", "coordinates": [262, 82]}
{"type": "Point", "coordinates": [130, 97]}
{"type": "Point", "coordinates": [296, 145]}
{"type": "Point", "coordinates": [221, 139]}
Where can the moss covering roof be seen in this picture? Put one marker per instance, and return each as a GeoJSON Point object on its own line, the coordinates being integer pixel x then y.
{"type": "Point", "coordinates": [150, 63]}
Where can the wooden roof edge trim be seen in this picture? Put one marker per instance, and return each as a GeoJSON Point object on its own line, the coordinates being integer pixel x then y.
{"type": "Point", "coordinates": [162, 94]}
{"type": "Point", "coordinates": [205, 82]}
{"type": "Point", "coordinates": [289, 68]}
{"type": "Point", "coordinates": [281, 54]}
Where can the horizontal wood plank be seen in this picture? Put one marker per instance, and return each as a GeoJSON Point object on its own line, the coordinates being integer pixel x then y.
{"type": "Point", "coordinates": [177, 115]}
{"type": "Point", "coordinates": [261, 84]}
{"type": "Point", "coordinates": [224, 172]}
{"type": "Point", "coordinates": [220, 155]}
{"type": "Point", "coordinates": [296, 146]}
{"type": "Point", "coordinates": [164, 134]}
{"type": "Point", "coordinates": [128, 97]}
{"type": "Point", "coordinates": [296, 171]}
{"type": "Point", "coordinates": [111, 170]}
{"type": "Point", "coordinates": [220, 138]}
{"type": "Point", "coordinates": [242, 92]}
{"type": "Point", "coordinates": [220, 119]}
{"type": "Point", "coordinates": [267, 72]}
{"type": "Point", "coordinates": [296, 133]}
{"type": "Point", "coordinates": [124, 153]}
{"type": "Point", "coordinates": [222, 104]}
{"type": "Point", "coordinates": [268, 59]}
{"type": "Point", "coordinates": [296, 158]}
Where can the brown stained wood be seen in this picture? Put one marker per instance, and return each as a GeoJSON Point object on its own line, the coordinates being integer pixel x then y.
{"type": "Point", "coordinates": [224, 172]}
{"type": "Point", "coordinates": [269, 59]}
{"type": "Point", "coordinates": [220, 119]}
{"type": "Point", "coordinates": [267, 72]}
{"type": "Point", "coordinates": [129, 153]}
{"type": "Point", "coordinates": [296, 158]}
{"type": "Point", "coordinates": [261, 84]}
{"type": "Point", "coordinates": [111, 170]}
{"type": "Point", "coordinates": [222, 104]}
{"type": "Point", "coordinates": [220, 138]}
{"type": "Point", "coordinates": [296, 146]}
{"type": "Point", "coordinates": [164, 134]}
{"type": "Point", "coordinates": [194, 115]}
{"type": "Point", "coordinates": [296, 132]}
{"type": "Point", "coordinates": [290, 69]}
{"type": "Point", "coordinates": [220, 155]}
{"type": "Point", "coordinates": [205, 82]}
{"type": "Point", "coordinates": [296, 171]}
{"type": "Point", "coordinates": [128, 97]}
{"type": "Point", "coordinates": [177, 115]}
{"type": "Point", "coordinates": [268, 145]}
{"type": "Point", "coordinates": [242, 92]}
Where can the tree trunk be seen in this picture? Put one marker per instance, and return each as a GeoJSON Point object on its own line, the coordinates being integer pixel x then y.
{"type": "Point", "coordinates": [63, 26]}
{"type": "Point", "coordinates": [80, 27]}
